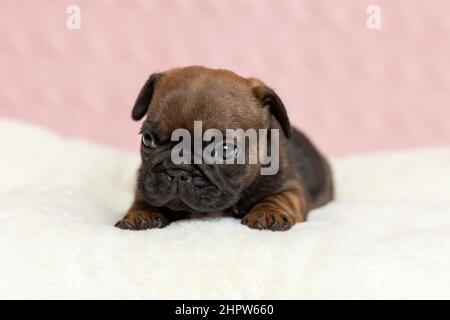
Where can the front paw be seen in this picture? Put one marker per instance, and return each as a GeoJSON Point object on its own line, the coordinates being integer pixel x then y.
{"type": "Point", "coordinates": [267, 219]}
{"type": "Point", "coordinates": [142, 220]}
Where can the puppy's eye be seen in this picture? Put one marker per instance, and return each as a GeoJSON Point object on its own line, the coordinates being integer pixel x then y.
{"type": "Point", "coordinates": [227, 151]}
{"type": "Point", "coordinates": [148, 140]}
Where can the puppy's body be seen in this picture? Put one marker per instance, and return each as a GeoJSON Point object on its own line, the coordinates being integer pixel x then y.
{"type": "Point", "coordinates": [221, 100]}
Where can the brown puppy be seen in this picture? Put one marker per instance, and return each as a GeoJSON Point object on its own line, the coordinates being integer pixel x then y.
{"type": "Point", "coordinates": [221, 99]}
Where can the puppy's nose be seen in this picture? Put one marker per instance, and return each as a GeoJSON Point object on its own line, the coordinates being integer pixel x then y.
{"type": "Point", "coordinates": [180, 174]}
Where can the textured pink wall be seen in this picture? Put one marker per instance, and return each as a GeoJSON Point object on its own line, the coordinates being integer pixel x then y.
{"type": "Point", "coordinates": [350, 88]}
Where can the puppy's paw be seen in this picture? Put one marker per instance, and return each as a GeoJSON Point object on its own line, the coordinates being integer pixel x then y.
{"type": "Point", "coordinates": [267, 219]}
{"type": "Point", "coordinates": [142, 220]}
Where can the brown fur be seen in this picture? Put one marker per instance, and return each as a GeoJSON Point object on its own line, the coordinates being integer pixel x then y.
{"type": "Point", "coordinates": [222, 99]}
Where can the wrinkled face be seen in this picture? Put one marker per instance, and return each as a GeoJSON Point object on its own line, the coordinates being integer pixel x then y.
{"type": "Point", "coordinates": [221, 100]}
{"type": "Point", "coordinates": [190, 187]}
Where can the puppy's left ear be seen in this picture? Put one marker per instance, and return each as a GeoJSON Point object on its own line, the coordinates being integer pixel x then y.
{"type": "Point", "coordinates": [144, 98]}
{"type": "Point", "coordinates": [269, 98]}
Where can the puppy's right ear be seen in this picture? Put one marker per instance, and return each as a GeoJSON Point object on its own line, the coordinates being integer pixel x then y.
{"type": "Point", "coordinates": [144, 98]}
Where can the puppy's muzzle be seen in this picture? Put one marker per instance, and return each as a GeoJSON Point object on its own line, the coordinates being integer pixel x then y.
{"type": "Point", "coordinates": [179, 174]}
{"type": "Point", "coordinates": [182, 172]}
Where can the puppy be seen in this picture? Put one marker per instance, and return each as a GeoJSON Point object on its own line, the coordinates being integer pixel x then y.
{"type": "Point", "coordinates": [221, 99]}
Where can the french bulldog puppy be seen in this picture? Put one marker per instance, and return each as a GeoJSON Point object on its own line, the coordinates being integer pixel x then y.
{"type": "Point", "coordinates": [220, 99]}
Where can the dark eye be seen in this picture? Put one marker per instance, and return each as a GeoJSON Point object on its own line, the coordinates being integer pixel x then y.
{"type": "Point", "coordinates": [148, 141]}
{"type": "Point", "coordinates": [229, 151]}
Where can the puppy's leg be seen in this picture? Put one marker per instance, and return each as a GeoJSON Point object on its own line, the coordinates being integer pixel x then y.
{"type": "Point", "coordinates": [141, 216]}
{"type": "Point", "coordinates": [279, 212]}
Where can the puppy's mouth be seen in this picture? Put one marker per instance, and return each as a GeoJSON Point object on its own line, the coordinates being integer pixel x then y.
{"type": "Point", "coordinates": [182, 185]}
{"type": "Point", "coordinates": [193, 193]}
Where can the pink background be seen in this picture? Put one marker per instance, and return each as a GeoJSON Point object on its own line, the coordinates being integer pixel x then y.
{"type": "Point", "coordinates": [351, 89]}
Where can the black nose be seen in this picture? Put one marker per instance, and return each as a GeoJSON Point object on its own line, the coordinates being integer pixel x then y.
{"type": "Point", "coordinates": [180, 174]}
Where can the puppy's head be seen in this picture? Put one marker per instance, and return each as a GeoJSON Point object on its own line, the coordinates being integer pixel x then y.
{"type": "Point", "coordinates": [219, 99]}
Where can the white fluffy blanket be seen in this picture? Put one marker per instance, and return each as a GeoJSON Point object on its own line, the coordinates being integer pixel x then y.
{"type": "Point", "coordinates": [386, 236]}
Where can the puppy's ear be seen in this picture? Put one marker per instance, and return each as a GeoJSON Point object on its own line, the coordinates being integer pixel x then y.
{"type": "Point", "coordinates": [144, 98]}
{"type": "Point", "coordinates": [269, 98]}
